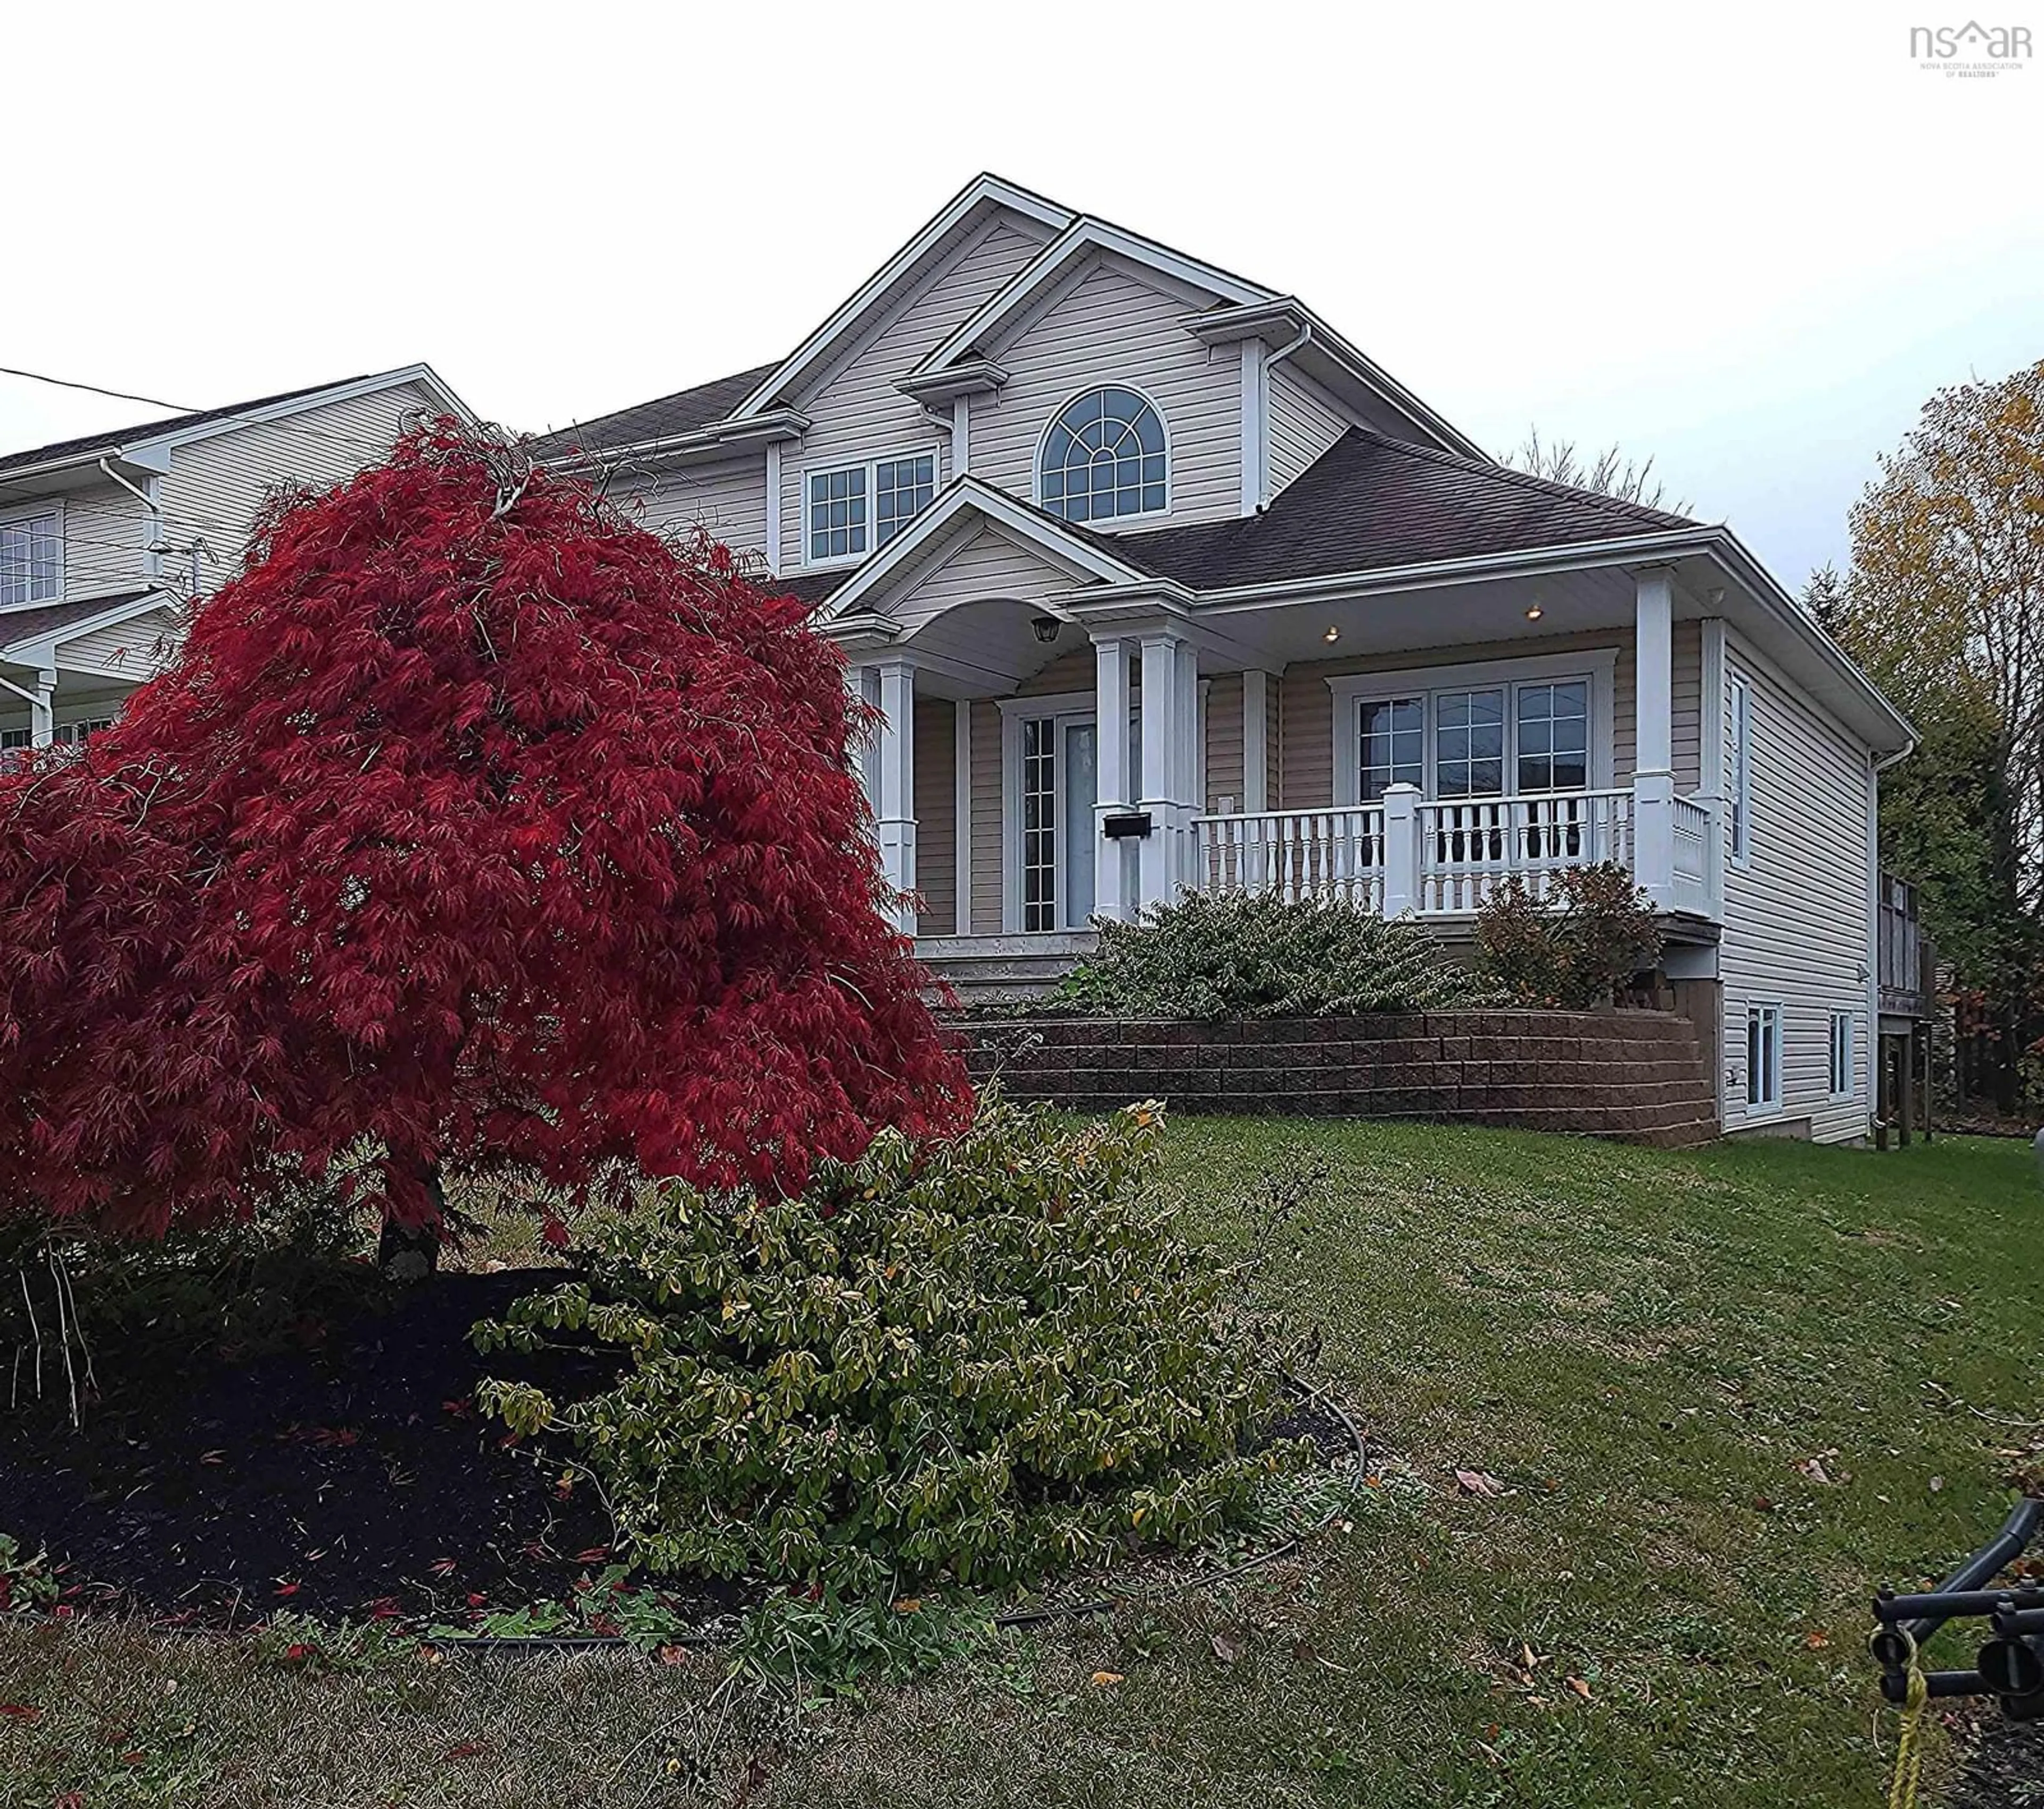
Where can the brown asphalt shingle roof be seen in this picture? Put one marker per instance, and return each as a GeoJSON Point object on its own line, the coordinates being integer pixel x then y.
{"type": "Point", "coordinates": [660, 419]}
{"type": "Point", "coordinates": [149, 429]}
{"type": "Point", "coordinates": [25, 625]}
{"type": "Point", "coordinates": [1370, 503]}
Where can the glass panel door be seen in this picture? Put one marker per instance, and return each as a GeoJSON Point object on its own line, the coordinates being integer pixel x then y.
{"type": "Point", "coordinates": [1081, 788]}
{"type": "Point", "coordinates": [1039, 823]}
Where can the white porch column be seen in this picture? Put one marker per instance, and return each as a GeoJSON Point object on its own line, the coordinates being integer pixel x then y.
{"type": "Point", "coordinates": [1113, 893]}
{"type": "Point", "coordinates": [1402, 849]}
{"type": "Point", "coordinates": [895, 784]}
{"type": "Point", "coordinates": [1255, 740]}
{"type": "Point", "coordinates": [1170, 700]}
{"type": "Point", "coordinates": [42, 720]}
{"type": "Point", "coordinates": [1654, 737]}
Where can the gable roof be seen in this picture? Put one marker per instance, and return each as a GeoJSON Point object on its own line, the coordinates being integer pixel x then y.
{"type": "Point", "coordinates": [18, 626]}
{"type": "Point", "coordinates": [1371, 503]}
{"type": "Point", "coordinates": [195, 424]}
{"type": "Point", "coordinates": [1084, 239]}
{"type": "Point", "coordinates": [663, 418]}
{"type": "Point", "coordinates": [983, 195]}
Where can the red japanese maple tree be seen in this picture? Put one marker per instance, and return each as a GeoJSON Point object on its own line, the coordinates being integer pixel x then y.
{"type": "Point", "coordinates": [477, 827]}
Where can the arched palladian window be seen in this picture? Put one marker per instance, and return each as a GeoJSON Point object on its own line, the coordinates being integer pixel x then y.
{"type": "Point", "coordinates": [1104, 455]}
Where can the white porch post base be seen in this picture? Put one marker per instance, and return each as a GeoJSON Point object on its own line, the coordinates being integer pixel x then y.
{"type": "Point", "coordinates": [1166, 786]}
{"type": "Point", "coordinates": [1654, 836]}
{"type": "Point", "coordinates": [1114, 891]}
{"type": "Point", "coordinates": [1402, 849]}
{"type": "Point", "coordinates": [895, 812]}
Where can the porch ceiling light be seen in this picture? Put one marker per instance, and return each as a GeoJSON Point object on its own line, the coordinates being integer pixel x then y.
{"type": "Point", "coordinates": [1534, 612]}
{"type": "Point", "coordinates": [1045, 628]}
{"type": "Point", "coordinates": [1331, 635]}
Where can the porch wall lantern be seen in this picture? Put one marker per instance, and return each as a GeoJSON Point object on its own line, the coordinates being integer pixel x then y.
{"type": "Point", "coordinates": [1045, 628]}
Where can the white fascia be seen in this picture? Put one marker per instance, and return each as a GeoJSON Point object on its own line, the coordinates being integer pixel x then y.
{"type": "Point", "coordinates": [982, 191]}
{"type": "Point", "coordinates": [969, 495]}
{"type": "Point", "coordinates": [1085, 237]}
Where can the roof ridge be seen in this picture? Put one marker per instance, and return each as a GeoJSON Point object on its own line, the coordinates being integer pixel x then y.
{"type": "Point", "coordinates": [1510, 474]}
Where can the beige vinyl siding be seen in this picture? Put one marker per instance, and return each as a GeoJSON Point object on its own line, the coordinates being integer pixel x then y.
{"type": "Point", "coordinates": [1302, 777]}
{"type": "Point", "coordinates": [1797, 912]}
{"type": "Point", "coordinates": [1072, 671]}
{"type": "Point", "coordinates": [728, 499]}
{"type": "Point", "coordinates": [216, 486]}
{"type": "Point", "coordinates": [986, 564]}
{"type": "Point", "coordinates": [986, 819]}
{"type": "Point", "coordinates": [1223, 743]}
{"type": "Point", "coordinates": [135, 647]}
{"type": "Point", "coordinates": [935, 806]}
{"type": "Point", "coordinates": [857, 411]}
{"type": "Point", "coordinates": [1304, 421]}
{"type": "Point", "coordinates": [1107, 327]}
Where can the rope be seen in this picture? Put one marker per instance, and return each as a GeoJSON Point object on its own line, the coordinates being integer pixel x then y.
{"type": "Point", "coordinates": [1909, 1747]}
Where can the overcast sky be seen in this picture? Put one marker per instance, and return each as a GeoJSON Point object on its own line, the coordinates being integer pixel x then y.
{"type": "Point", "coordinates": [1748, 239]}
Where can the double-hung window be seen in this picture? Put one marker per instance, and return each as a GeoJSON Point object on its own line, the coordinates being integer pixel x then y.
{"type": "Point", "coordinates": [1763, 1057]}
{"type": "Point", "coordinates": [852, 510]}
{"type": "Point", "coordinates": [31, 557]}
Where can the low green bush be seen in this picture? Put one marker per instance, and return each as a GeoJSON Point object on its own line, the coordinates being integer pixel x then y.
{"type": "Point", "coordinates": [982, 1361]}
{"type": "Point", "coordinates": [1573, 949]}
{"type": "Point", "coordinates": [1257, 955]}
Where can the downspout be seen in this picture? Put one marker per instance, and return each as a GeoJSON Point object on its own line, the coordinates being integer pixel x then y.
{"type": "Point", "coordinates": [152, 501]}
{"type": "Point", "coordinates": [1297, 342]}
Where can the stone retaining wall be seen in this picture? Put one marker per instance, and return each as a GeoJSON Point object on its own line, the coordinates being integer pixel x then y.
{"type": "Point", "coordinates": [1638, 1077]}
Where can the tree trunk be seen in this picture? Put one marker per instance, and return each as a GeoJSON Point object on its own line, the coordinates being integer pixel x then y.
{"type": "Point", "coordinates": [411, 1253]}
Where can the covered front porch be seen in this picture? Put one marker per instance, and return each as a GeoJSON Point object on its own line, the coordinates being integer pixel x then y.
{"type": "Point", "coordinates": [1042, 759]}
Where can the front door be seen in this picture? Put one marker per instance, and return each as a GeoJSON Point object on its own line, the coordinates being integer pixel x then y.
{"type": "Point", "coordinates": [1059, 778]}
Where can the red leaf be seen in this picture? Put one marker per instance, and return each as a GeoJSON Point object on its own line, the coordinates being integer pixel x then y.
{"type": "Point", "coordinates": [554, 1232]}
{"type": "Point", "coordinates": [20, 1711]}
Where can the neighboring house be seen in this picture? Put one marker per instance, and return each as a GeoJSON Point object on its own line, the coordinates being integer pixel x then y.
{"type": "Point", "coordinates": [1161, 583]}
{"type": "Point", "coordinates": [106, 540]}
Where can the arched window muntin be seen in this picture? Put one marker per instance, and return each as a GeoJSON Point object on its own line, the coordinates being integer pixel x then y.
{"type": "Point", "coordinates": [1105, 457]}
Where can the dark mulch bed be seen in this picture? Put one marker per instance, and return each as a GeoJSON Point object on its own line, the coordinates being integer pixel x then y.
{"type": "Point", "coordinates": [354, 1479]}
{"type": "Point", "coordinates": [2005, 1770]}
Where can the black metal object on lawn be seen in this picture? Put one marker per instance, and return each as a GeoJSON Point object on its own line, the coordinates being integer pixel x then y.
{"type": "Point", "coordinates": [2010, 1666]}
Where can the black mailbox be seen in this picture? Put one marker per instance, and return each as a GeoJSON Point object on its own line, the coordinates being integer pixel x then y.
{"type": "Point", "coordinates": [1125, 823]}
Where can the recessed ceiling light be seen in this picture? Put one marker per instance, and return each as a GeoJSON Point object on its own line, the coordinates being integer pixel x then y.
{"type": "Point", "coordinates": [1535, 613]}
{"type": "Point", "coordinates": [1331, 635]}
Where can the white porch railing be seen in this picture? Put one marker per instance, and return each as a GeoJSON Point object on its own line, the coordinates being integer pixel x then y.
{"type": "Point", "coordinates": [1442, 857]}
{"type": "Point", "coordinates": [1299, 854]}
{"type": "Point", "coordinates": [1468, 846]}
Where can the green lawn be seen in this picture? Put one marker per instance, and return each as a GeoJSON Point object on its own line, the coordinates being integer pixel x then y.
{"type": "Point", "coordinates": [1646, 1349]}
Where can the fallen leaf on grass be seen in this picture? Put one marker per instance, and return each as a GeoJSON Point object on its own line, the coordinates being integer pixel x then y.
{"type": "Point", "coordinates": [1227, 1651]}
{"type": "Point", "coordinates": [466, 1749]}
{"type": "Point", "coordinates": [1106, 1679]}
{"type": "Point", "coordinates": [20, 1711]}
{"type": "Point", "coordinates": [1476, 1483]}
{"type": "Point", "coordinates": [1816, 1639]}
{"type": "Point", "coordinates": [1580, 1686]}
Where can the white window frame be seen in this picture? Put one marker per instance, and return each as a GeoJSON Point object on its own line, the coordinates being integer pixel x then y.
{"type": "Point", "coordinates": [1111, 523]}
{"type": "Point", "coordinates": [1738, 777]}
{"type": "Point", "coordinates": [1844, 1056]}
{"type": "Point", "coordinates": [53, 507]}
{"type": "Point", "coordinates": [1597, 667]}
{"type": "Point", "coordinates": [1769, 1015]}
{"type": "Point", "coordinates": [871, 468]}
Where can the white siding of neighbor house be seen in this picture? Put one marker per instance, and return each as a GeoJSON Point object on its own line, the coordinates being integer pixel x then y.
{"type": "Point", "coordinates": [727, 499]}
{"type": "Point", "coordinates": [106, 534]}
{"type": "Point", "coordinates": [137, 645]}
{"type": "Point", "coordinates": [1304, 421]}
{"type": "Point", "coordinates": [1796, 914]}
{"type": "Point", "coordinates": [858, 411]}
{"type": "Point", "coordinates": [216, 486]}
{"type": "Point", "coordinates": [1106, 326]}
